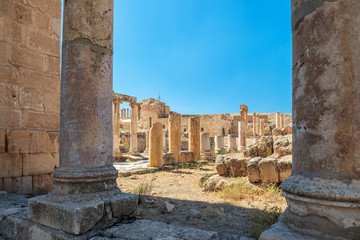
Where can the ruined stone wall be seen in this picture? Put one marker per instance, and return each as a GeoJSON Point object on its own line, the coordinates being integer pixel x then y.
{"type": "Point", "coordinates": [150, 112]}
{"type": "Point", "coordinates": [30, 94]}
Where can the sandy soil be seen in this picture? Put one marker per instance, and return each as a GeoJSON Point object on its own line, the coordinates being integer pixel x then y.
{"type": "Point", "coordinates": [192, 206]}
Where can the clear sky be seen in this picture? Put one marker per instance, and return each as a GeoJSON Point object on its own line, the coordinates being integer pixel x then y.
{"type": "Point", "coordinates": [205, 56]}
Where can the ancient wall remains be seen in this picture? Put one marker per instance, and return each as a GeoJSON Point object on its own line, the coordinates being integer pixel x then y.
{"type": "Point", "coordinates": [30, 94]}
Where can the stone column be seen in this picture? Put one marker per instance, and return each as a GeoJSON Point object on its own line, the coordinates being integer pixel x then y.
{"type": "Point", "coordinates": [175, 135]}
{"type": "Point", "coordinates": [133, 131]}
{"type": "Point", "coordinates": [194, 137]}
{"type": "Point", "coordinates": [244, 114]}
{"type": "Point", "coordinates": [146, 151]}
{"type": "Point", "coordinates": [205, 153]}
{"type": "Point", "coordinates": [116, 130]}
{"type": "Point", "coordinates": [127, 113]}
{"type": "Point", "coordinates": [219, 143]}
{"type": "Point", "coordinates": [156, 158]}
{"type": "Point", "coordinates": [123, 115]}
{"type": "Point", "coordinates": [282, 121]}
{"type": "Point", "coordinates": [85, 192]}
{"type": "Point", "coordinates": [254, 124]}
{"type": "Point", "coordinates": [258, 124]}
{"type": "Point", "coordinates": [323, 190]}
{"type": "Point", "coordinates": [262, 127]}
{"type": "Point", "coordinates": [164, 141]}
{"type": "Point", "coordinates": [242, 136]}
{"type": "Point", "coordinates": [278, 122]}
{"type": "Point", "coordinates": [232, 142]}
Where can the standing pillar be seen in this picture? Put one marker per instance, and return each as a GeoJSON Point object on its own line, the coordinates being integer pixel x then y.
{"type": "Point", "coordinates": [123, 115]}
{"type": "Point", "coordinates": [194, 137]}
{"type": "Point", "coordinates": [322, 192]}
{"type": "Point", "coordinates": [116, 130]}
{"type": "Point", "coordinates": [146, 151]}
{"type": "Point", "coordinates": [258, 124]}
{"type": "Point", "coordinates": [127, 113]}
{"type": "Point", "coordinates": [175, 135]}
{"type": "Point", "coordinates": [282, 122]}
{"type": "Point", "coordinates": [219, 143]}
{"type": "Point", "coordinates": [244, 114]}
{"type": "Point", "coordinates": [254, 124]}
{"type": "Point", "coordinates": [262, 127]}
{"type": "Point", "coordinates": [164, 141]}
{"type": "Point", "coordinates": [86, 179]}
{"type": "Point", "coordinates": [242, 136]}
{"type": "Point", "coordinates": [278, 122]}
{"type": "Point", "coordinates": [133, 131]}
{"type": "Point", "coordinates": [205, 153]}
{"type": "Point", "coordinates": [232, 142]}
{"type": "Point", "coordinates": [156, 158]}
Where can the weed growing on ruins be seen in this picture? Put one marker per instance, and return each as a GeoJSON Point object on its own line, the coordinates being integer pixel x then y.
{"type": "Point", "coordinates": [202, 182]}
{"type": "Point", "coordinates": [243, 189]}
{"type": "Point", "coordinates": [262, 220]}
{"type": "Point", "coordinates": [143, 189]}
{"type": "Point", "coordinates": [223, 152]}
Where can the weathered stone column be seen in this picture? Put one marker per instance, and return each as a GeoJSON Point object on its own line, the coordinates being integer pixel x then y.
{"type": "Point", "coordinates": [262, 127]}
{"type": "Point", "coordinates": [127, 113]}
{"type": "Point", "coordinates": [219, 143]}
{"type": "Point", "coordinates": [85, 193]}
{"type": "Point", "coordinates": [254, 124]}
{"type": "Point", "coordinates": [278, 122]}
{"type": "Point", "coordinates": [164, 141]}
{"type": "Point", "coordinates": [133, 131]}
{"type": "Point", "coordinates": [258, 124]}
{"type": "Point", "coordinates": [175, 135]}
{"type": "Point", "coordinates": [194, 137]}
{"type": "Point", "coordinates": [156, 158]}
{"type": "Point", "coordinates": [323, 190]}
{"type": "Point", "coordinates": [205, 153]}
{"type": "Point", "coordinates": [242, 136]}
{"type": "Point", "coordinates": [123, 113]}
{"type": "Point", "coordinates": [146, 151]}
{"type": "Point", "coordinates": [244, 114]}
{"type": "Point", "coordinates": [116, 130]}
{"type": "Point", "coordinates": [232, 142]}
{"type": "Point", "coordinates": [282, 122]}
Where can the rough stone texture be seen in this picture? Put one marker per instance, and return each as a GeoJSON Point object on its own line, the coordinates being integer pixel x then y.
{"type": "Point", "coordinates": [205, 153]}
{"type": "Point", "coordinates": [28, 141]}
{"type": "Point", "coordinates": [169, 158]}
{"type": "Point", "coordinates": [40, 163]}
{"type": "Point", "coordinates": [42, 184]}
{"type": "Point", "coordinates": [253, 170]}
{"type": "Point", "coordinates": [215, 183]}
{"type": "Point", "coordinates": [262, 147]}
{"type": "Point", "coordinates": [277, 132]}
{"type": "Point", "coordinates": [268, 170]}
{"type": "Point", "coordinates": [287, 130]}
{"type": "Point", "coordinates": [156, 146]}
{"type": "Point", "coordinates": [175, 135]}
{"type": "Point", "coordinates": [283, 145]}
{"type": "Point", "coordinates": [18, 185]}
{"type": "Point", "coordinates": [10, 165]}
{"type": "Point", "coordinates": [194, 136]}
{"type": "Point", "coordinates": [284, 166]}
{"type": "Point", "coordinates": [231, 165]}
{"type": "Point", "coordinates": [186, 156]}
{"type": "Point", "coordinates": [2, 140]}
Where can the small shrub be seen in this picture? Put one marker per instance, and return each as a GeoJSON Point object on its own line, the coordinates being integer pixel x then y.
{"type": "Point", "coordinates": [202, 182]}
{"type": "Point", "coordinates": [263, 219]}
{"type": "Point", "coordinates": [143, 188]}
{"type": "Point", "coordinates": [223, 152]}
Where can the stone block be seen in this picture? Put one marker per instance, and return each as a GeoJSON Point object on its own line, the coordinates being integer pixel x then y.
{"type": "Point", "coordinates": [10, 165]}
{"type": "Point", "coordinates": [22, 14]}
{"type": "Point", "coordinates": [1, 184]}
{"type": "Point", "coordinates": [253, 170]}
{"type": "Point", "coordinates": [2, 140]}
{"type": "Point", "coordinates": [31, 98]}
{"type": "Point", "coordinates": [4, 53]}
{"type": "Point", "coordinates": [283, 145]}
{"type": "Point", "coordinates": [186, 156]}
{"type": "Point", "coordinates": [276, 132]}
{"type": "Point", "coordinates": [169, 158]}
{"type": "Point", "coordinates": [18, 185]}
{"type": "Point", "coordinates": [10, 118]}
{"type": "Point", "coordinates": [51, 102]}
{"type": "Point", "coordinates": [51, 7]}
{"type": "Point", "coordinates": [9, 96]}
{"type": "Point", "coordinates": [268, 170]}
{"type": "Point", "coordinates": [42, 22]}
{"type": "Point", "coordinates": [7, 74]}
{"type": "Point", "coordinates": [42, 184]}
{"type": "Point", "coordinates": [231, 166]}
{"type": "Point", "coordinates": [79, 217]}
{"type": "Point", "coordinates": [29, 141]}
{"type": "Point", "coordinates": [54, 138]}
{"type": "Point", "coordinates": [54, 65]}
{"type": "Point", "coordinates": [31, 79]}
{"type": "Point", "coordinates": [284, 167]}
{"type": "Point", "coordinates": [43, 43]}
{"type": "Point", "coordinates": [39, 163]}
{"type": "Point", "coordinates": [55, 26]}
{"type": "Point", "coordinates": [39, 120]}
{"type": "Point", "coordinates": [26, 58]}
{"type": "Point", "coordinates": [13, 32]}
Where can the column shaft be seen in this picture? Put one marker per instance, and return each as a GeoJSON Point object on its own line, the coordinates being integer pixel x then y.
{"type": "Point", "coordinates": [133, 131]}
{"type": "Point", "coordinates": [175, 135]}
{"type": "Point", "coordinates": [156, 158]}
{"type": "Point", "coordinates": [194, 136]}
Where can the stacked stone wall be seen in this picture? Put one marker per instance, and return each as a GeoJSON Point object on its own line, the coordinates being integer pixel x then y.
{"type": "Point", "coordinates": [30, 94]}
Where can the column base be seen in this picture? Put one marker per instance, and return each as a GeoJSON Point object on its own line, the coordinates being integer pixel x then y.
{"type": "Point", "coordinates": [206, 156]}
{"type": "Point", "coordinates": [78, 217]}
{"type": "Point", "coordinates": [134, 152]}
{"type": "Point", "coordinates": [242, 148]}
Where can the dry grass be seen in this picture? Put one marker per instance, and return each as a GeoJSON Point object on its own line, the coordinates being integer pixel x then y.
{"type": "Point", "coordinates": [263, 219]}
{"type": "Point", "coordinates": [143, 189]}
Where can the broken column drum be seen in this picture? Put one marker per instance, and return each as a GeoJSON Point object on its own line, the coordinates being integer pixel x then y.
{"type": "Point", "coordinates": [194, 136]}
{"type": "Point", "coordinates": [86, 179]}
{"type": "Point", "coordinates": [156, 158]}
{"type": "Point", "coordinates": [205, 153]}
{"type": "Point", "coordinates": [323, 190]}
{"type": "Point", "coordinates": [175, 135]}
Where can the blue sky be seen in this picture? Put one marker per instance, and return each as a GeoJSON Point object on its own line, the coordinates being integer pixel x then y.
{"type": "Point", "coordinates": [205, 56]}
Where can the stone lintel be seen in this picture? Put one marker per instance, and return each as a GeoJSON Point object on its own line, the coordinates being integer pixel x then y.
{"type": "Point", "coordinates": [124, 98]}
{"type": "Point", "coordinates": [81, 216]}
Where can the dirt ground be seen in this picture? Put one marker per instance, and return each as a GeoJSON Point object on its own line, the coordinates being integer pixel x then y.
{"type": "Point", "coordinates": [194, 207]}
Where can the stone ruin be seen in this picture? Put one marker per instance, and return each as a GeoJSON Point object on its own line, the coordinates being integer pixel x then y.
{"type": "Point", "coordinates": [321, 192]}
